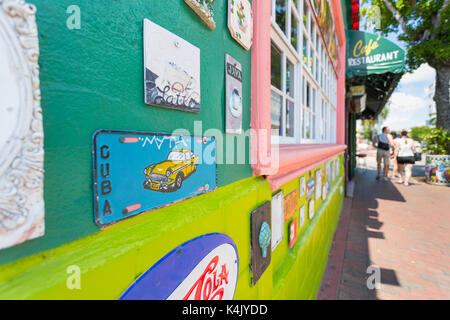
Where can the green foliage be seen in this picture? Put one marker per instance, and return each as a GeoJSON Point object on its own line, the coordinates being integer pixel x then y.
{"type": "Point", "coordinates": [438, 142]}
{"type": "Point", "coordinates": [426, 36]}
{"type": "Point", "coordinates": [420, 133]}
{"type": "Point", "coordinates": [367, 132]}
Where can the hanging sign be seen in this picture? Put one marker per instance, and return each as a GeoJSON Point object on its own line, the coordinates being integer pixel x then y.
{"type": "Point", "coordinates": [172, 70]}
{"type": "Point", "coordinates": [233, 105]}
{"type": "Point", "coordinates": [205, 268]}
{"type": "Point", "coordinates": [204, 10]}
{"type": "Point", "coordinates": [135, 172]}
{"type": "Point", "coordinates": [240, 22]}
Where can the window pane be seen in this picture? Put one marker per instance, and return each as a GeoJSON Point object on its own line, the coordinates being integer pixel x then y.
{"type": "Point", "coordinates": [294, 31]}
{"type": "Point", "coordinates": [305, 53]}
{"type": "Point", "coordinates": [275, 67]}
{"type": "Point", "coordinates": [305, 14]}
{"type": "Point", "coordinates": [290, 77]}
{"type": "Point", "coordinates": [289, 118]}
{"type": "Point", "coordinates": [275, 113]}
{"type": "Point", "coordinates": [307, 122]}
{"type": "Point", "coordinates": [280, 14]}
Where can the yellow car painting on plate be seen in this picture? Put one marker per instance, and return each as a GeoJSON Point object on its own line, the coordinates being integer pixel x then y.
{"type": "Point", "coordinates": [169, 174]}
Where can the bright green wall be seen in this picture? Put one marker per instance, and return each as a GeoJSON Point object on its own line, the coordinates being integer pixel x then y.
{"type": "Point", "coordinates": [112, 259]}
{"type": "Point", "coordinates": [92, 79]}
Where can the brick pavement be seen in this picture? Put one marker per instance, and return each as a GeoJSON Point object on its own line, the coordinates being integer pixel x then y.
{"type": "Point", "coordinates": [405, 231]}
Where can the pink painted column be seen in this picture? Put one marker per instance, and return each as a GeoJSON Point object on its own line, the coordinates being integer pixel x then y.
{"type": "Point", "coordinates": [340, 111]}
{"type": "Point", "coordinates": [260, 95]}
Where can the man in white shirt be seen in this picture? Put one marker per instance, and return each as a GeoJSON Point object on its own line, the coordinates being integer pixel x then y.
{"type": "Point", "coordinates": [383, 142]}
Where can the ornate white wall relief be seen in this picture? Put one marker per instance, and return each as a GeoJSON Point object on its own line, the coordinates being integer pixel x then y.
{"type": "Point", "coordinates": [21, 133]}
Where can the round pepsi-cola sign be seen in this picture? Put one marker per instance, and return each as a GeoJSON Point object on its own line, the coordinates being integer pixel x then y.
{"type": "Point", "coordinates": [204, 268]}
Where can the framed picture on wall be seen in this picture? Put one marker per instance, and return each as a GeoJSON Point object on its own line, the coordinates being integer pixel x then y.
{"type": "Point", "coordinates": [277, 218]}
{"type": "Point", "coordinates": [171, 70]}
{"type": "Point", "coordinates": [318, 184]}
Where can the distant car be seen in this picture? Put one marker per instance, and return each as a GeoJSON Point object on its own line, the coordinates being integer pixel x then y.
{"type": "Point", "coordinates": [169, 174]}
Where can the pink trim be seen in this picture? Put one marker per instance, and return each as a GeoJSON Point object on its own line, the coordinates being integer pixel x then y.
{"type": "Point", "coordinates": [340, 107]}
{"type": "Point", "coordinates": [286, 162]}
{"type": "Point", "coordinates": [260, 96]}
{"type": "Point", "coordinates": [295, 160]}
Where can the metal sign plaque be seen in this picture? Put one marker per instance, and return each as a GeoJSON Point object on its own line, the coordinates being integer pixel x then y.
{"type": "Point", "coordinates": [204, 268]}
{"type": "Point", "coordinates": [233, 103]}
{"type": "Point", "coordinates": [135, 172]}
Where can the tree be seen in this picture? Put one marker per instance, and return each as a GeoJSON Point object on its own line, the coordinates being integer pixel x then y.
{"type": "Point", "coordinates": [425, 27]}
{"type": "Point", "coordinates": [420, 133]}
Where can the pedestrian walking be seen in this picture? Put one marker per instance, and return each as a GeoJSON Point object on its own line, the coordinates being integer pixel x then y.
{"type": "Point", "coordinates": [405, 157]}
{"type": "Point", "coordinates": [395, 140]}
{"type": "Point", "coordinates": [383, 142]}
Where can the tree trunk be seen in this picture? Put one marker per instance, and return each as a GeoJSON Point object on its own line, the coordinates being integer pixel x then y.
{"type": "Point", "coordinates": [441, 97]}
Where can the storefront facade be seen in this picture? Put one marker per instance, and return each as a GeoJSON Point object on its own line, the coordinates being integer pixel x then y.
{"type": "Point", "coordinates": [256, 222]}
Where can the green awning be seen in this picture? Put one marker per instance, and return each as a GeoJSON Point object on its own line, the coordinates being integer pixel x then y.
{"type": "Point", "coordinates": [375, 63]}
{"type": "Point", "coordinates": [369, 53]}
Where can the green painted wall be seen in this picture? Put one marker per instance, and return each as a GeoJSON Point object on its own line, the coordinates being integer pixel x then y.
{"type": "Point", "coordinates": [112, 259]}
{"type": "Point", "coordinates": [92, 79]}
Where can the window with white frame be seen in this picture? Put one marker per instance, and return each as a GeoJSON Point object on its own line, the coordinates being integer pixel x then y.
{"type": "Point", "coordinates": [303, 82]}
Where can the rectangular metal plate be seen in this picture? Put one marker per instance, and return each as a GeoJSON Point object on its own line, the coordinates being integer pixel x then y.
{"type": "Point", "coordinates": [135, 172]}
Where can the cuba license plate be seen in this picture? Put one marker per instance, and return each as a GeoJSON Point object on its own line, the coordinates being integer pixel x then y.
{"type": "Point", "coordinates": [124, 161]}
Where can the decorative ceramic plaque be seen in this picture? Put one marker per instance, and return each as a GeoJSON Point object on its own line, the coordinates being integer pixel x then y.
{"type": "Point", "coordinates": [172, 70]}
{"type": "Point", "coordinates": [21, 132]}
{"type": "Point", "coordinates": [204, 10]}
{"type": "Point", "coordinates": [302, 186]}
{"type": "Point", "coordinates": [204, 268]}
{"type": "Point", "coordinates": [302, 216]}
{"type": "Point", "coordinates": [135, 172]}
{"type": "Point", "coordinates": [318, 184]}
{"type": "Point", "coordinates": [260, 249]}
{"type": "Point", "coordinates": [290, 205]}
{"type": "Point", "coordinates": [240, 22]}
{"type": "Point", "coordinates": [292, 233]}
{"type": "Point", "coordinates": [311, 209]}
{"type": "Point", "coordinates": [233, 105]}
{"type": "Point", "coordinates": [277, 218]}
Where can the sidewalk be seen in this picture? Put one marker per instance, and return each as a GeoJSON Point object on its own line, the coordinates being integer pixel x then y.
{"type": "Point", "coordinates": [405, 231]}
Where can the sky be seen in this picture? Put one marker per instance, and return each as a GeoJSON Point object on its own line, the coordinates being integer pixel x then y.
{"type": "Point", "coordinates": [409, 105]}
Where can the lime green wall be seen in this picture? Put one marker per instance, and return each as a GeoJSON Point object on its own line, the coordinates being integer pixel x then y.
{"type": "Point", "coordinates": [92, 79]}
{"type": "Point", "coordinates": [112, 259]}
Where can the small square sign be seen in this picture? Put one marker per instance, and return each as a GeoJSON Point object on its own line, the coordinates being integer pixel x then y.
{"type": "Point", "coordinates": [292, 233]}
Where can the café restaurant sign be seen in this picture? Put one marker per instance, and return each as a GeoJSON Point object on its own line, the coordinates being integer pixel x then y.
{"type": "Point", "coordinates": [369, 53]}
